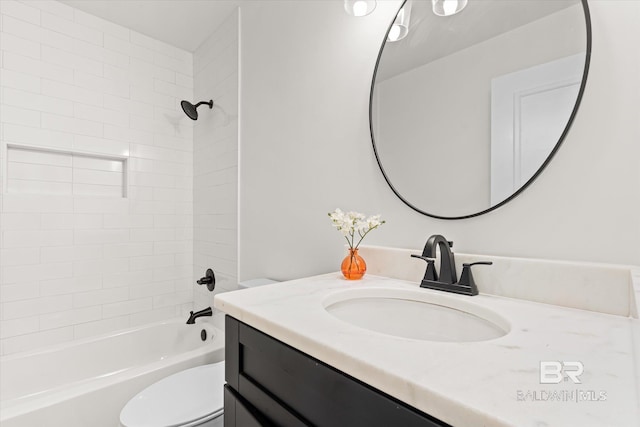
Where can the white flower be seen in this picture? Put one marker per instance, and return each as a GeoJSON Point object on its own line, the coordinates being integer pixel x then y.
{"type": "Point", "coordinates": [351, 222]}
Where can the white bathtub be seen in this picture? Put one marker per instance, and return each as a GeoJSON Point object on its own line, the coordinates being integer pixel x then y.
{"type": "Point", "coordinates": [87, 382]}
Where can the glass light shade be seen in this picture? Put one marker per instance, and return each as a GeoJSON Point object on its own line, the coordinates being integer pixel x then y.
{"type": "Point", "coordinates": [359, 7]}
{"type": "Point", "coordinates": [400, 27]}
{"type": "Point", "coordinates": [448, 7]}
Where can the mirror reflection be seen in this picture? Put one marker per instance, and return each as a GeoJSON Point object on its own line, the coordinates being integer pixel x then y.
{"type": "Point", "coordinates": [468, 107]}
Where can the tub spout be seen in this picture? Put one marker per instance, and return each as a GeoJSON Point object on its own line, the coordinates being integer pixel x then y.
{"type": "Point", "coordinates": [193, 316]}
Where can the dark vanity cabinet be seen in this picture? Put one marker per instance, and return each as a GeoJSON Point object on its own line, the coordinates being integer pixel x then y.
{"type": "Point", "coordinates": [272, 384]}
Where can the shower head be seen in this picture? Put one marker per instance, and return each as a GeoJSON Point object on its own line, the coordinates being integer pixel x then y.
{"type": "Point", "coordinates": [192, 110]}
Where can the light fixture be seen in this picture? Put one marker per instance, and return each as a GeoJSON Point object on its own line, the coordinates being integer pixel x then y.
{"type": "Point", "coordinates": [400, 27]}
{"type": "Point", "coordinates": [359, 7]}
{"type": "Point", "coordinates": [448, 7]}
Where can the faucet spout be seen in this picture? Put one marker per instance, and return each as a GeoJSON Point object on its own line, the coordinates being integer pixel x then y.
{"type": "Point", "coordinates": [193, 316]}
{"type": "Point", "coordinates": [447, 261]}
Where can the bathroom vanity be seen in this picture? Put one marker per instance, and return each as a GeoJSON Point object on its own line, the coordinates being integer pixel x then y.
{"type": "Point", "coordinates": [558, 346]}
{"type": "Point", "coordinates": [269, 382]}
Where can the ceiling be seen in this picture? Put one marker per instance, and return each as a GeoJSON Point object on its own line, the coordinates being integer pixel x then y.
{"type": "Point", "coordinates": [432, 37]}
{"type": "Point", "coordinates": [182, 23]}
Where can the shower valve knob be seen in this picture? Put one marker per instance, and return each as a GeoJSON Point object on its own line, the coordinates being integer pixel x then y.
{"type": "Point", "coordinates": [209, 279]}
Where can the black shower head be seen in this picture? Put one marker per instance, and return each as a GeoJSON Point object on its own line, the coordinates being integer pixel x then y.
{"type": "Point", "coordinates": [192, 110]}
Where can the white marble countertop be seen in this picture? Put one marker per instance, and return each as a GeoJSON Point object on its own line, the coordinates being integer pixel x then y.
{"type": "Point", "coordinates": [487, 383]}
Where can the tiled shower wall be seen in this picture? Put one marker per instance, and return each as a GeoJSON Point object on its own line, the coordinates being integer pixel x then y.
{"type": "Point", "coordinates": [75, 261]}
{"type": "Point", "coordinates": [216, 161]}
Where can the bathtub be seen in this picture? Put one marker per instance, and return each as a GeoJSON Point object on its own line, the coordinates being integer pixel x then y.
{"type": "Point", "coordinates": [87, 382]}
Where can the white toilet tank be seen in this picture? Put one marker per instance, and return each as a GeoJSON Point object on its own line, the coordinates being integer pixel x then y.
{"type": "Point", "coordinates": [255, 283]}
{"type": "Point", "coordinates": [193, 397]}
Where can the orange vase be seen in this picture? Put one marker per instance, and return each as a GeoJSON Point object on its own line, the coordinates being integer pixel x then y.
{"type": "Point", "coordinates": [353, 266]}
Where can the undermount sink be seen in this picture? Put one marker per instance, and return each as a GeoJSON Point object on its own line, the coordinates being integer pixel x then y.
{"type": "Point", "coordinates": [418, 315]}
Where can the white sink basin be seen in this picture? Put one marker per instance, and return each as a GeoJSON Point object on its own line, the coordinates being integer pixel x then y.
{"type": "Point", "coordinates": [419, 315]}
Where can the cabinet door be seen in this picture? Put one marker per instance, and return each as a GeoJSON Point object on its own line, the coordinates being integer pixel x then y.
{"type": "Point", "coordinates": [239, 413]}
{"type": "Point", "coordinates": [291, 388]}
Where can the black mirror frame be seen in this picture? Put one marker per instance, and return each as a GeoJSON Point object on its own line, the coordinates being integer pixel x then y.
{"type": "Point", "coordinates": [587, 17]}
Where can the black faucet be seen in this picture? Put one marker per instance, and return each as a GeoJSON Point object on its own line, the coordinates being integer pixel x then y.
{"type": "Point", "coordinates": [448, 278]}
{"type": "Point", "coordinates": [193, 316]}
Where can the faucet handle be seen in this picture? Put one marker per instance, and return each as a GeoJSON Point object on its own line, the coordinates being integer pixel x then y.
{"type": "Point", "coordinates": [209, 279]}
{"type": "Point", "coordinates": [430, 274]}
{"type": "Point", "coordinates": [466, 278]}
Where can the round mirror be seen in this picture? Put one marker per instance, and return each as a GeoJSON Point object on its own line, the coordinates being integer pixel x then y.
{"type": "Point", "coordinates": [471, 99]}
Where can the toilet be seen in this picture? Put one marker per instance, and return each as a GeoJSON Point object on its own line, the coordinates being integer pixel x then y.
{"type": "Point", "coordinates": [193, 397]}
{"type": "Point", "coordinates": [189, 398]}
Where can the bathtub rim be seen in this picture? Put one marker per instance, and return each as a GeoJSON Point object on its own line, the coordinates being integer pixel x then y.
{"type": "Point", "coordinates": [17, 406]}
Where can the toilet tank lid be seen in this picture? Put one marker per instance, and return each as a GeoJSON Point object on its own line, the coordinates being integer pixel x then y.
{"type": "Point", "coordinates": [178, 399]}
{"type": "Point", "coordinates": [256, 282]}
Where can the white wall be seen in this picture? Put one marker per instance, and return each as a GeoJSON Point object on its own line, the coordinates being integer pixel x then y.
{"type": "Point", "coordinates": [305, 149]}
{"type": "Point", "coordinates": [215, 161]}
{"type": "Point", "coordinates": [73, 266]}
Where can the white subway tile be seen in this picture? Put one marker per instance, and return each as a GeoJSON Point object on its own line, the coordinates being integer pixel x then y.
{"type": "Point", "coordinates": [105, 145]}
{"type": "Point", "coordinates": [19, 80]}
{"type": "Point", "coordinates": [101, 296]}
{"type": "Point", "coordinates": [40, 203]}
{"type": "Point", "coordinates": [100, 205]}
{"type": "Point", "coordinates": [70, 285]}
{"type": "Point", "coordinates": [184, 80]}
{"type": "Point", "coordinates": [19, 45]}
{"type": "Point", "coordinates": [162, 74]}
{"type": "Point", "coordinates": [99, 177]}
{"type": "Point", "coordinates": [90, 237]}
{"type": "Point", "coordinates": [20, 221]}
{"type": "Point", "coordinates": [126, 279]}
{"type": "Point", "coordinates": [19, 291]}
{"type": "Point", "coordinates": [71, 253]}
{"type": "Point", "coordinates": [114, 191]}
{"type": "Point", "coordinates": [19, 256]}
{"type": "Point", "coordinates": [39, 339]}
{"type": "Point", "coordinates": [22, 326]}
{"type": "Point", "coordinates": [120, 250]}
{"type": "Point", "coordinates": [144, 41]}
{"type": "Point", "coordinates": [20, 186]}
{"type": "Point", "coordinates": [38, 172]}
{"type": "Point", "coordinates": [54, 7]}
{"type": "Point", "coordinates": [118, 74]}
{"type": "Point", "coordinates": [126, 307]}
{"type": "Point", "coordinates": [20, 28]}
{"type": "Point", "coordinates": [140, 221]}
{"type": "Point", "coordinates": [20, 116]}
{"type": "Point", "coordinates": [21, 11]}
{"type": "Point", "coordinates": [152, 289]}
{"type": "Point", "coordinates": [100, 266]}
{"type": "Point", "coordinates": [141, 263]}
{"type": "Point", "coordinates": [116, 221]}
{"type": "Point", "coordinates": [70, 317]}
{"type": "Point", "coordinates": [183, 66]}
{"type": "Point", "coordinates": [29, 238]}
{"type": "Point", "coordinates": [67, 124]}
{"type": "Point", "coordinates": [57, 221]}
{"type": "Point", "coordinates": [117, 103]}
{"type": "Point", "coordinates": [152, 316]}
{"type": "Point", "coordinates": [83, 221]}
{"type": "Point", "coordinates": [58, 40]}
{"type": "Point", "coordinates": [52, 55]}
{"type": "Point", "coordinates": [70, 28]}
{"type": "Point", "coordinates": [18, 273]}
{"type": "Point", "coordinates": [34, 307]}
{"type": "Point", "coordinates": [33, 101]}
{"type": "Point", "coordinates": [101, 24]}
